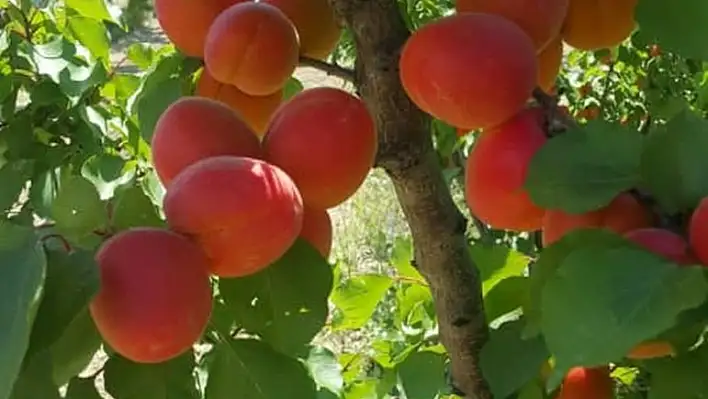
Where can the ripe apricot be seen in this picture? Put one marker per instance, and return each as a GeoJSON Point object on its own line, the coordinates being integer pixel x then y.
{"type": "Point", "coordinates": [186, 22]}
{"type": "Point", "coordinates": [587, 383]}
{"type": "Point", "coordinates": [194, 128]}
{"type": "Point", "coordinates": [540, 19]}
{"type": "Point", "coordinates": [453, 71]}
{"type": "Point", "coordinates": [549, 64]}
{"type": "Point", "coordinates": [596, 24]}
{"type": "Point", "coordinates": [254, 110]}
{"type": "Point", "coordinates": [325, 139]}
{"type": "Point", "coordinates": [698, 231]}
{"type": "Point", "coordinates": [651, 350]}
{"type": "Point", "coordinates": [316, 25]}
{"type": "Point", "coordinates": [496, 171]}
{"type": "Point", "coordinates": [245, 213]}
{"type": "Point", "coordinates": [154, 299]}
{"type": "Point", "coordinates": [622, 214]}
{"type": "Point", "coordinates": [317, 229]}
{"type": "Point", "coordinates": [253, 46]}
{"type": "Point", "coordinates": [664, 243]}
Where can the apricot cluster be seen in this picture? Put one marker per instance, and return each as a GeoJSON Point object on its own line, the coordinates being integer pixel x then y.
{"type": "Point", "coordinates": [250, 48]}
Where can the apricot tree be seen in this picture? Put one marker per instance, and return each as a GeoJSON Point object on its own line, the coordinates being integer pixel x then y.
{"type": "Point", "coordinates": [167, 230]}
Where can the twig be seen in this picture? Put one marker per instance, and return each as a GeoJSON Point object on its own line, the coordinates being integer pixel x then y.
{"type": "Point", "coordinates": [330, 69]}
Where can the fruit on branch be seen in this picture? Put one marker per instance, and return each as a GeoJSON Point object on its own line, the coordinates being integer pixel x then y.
{"type": "Point", "coordinates": [253, 46]}
{"type": "Point", "coordinates": [186, 22]}
{"type": "Point", "coordinates": [549, 64]}
{"type": "Point", "coordinates": [325, 139]}
{"type": "Point", "coordinates": [470, 70]}
{"type": "Point", "coordinates": [245, 213]}
{"type": "Point", "coordinates": [195, 128]}
{"type": "Point", "coordinates": [698, 231]}
{"type": "Point", "coordinates": [496, 171]}
{"type": "Point", "coordinates": [664, 243]}
{"type": "Point", "coordinates": [597, 24]}
{"type": "Point", "coordinates": [622, 214]}
{"type": "Point", "coordinates": [154, 300]}
{"type": "Point", "coordinates": [651, 350]}
{"type": "Point", "coordinates": [316, 25]}
{"type": "Point", "coordinates": [317, 229]}
{"type": "Point", "coordinates": [254, 110]}
{"type": "Point", "coordinates": [540, 19]}
{"type": "Point", "coordinates": [587, 383]}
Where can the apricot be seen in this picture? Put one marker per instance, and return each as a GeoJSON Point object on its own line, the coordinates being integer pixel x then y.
{"type": "Point", "coordinates": [317, 229]}
{"type": "Point", "coordinates": [596, 24]}
{"type": "Point", "coordinates": [154, 300]}
{"type": "Point", "coordinates": [452, 70]}
{"type": "Point", "coordinates": [651, 350]}
{"type": "Point", "coordinates": [186, 22]}
{"type": "Point", "coordinates": [622, 214]}
{"type": "Point", "coordinates": [194, 128]}
{"type": "Point", "coordinates": [549, 64]}
{"type": "Point", "coordinates": [698, 231]}
{"type": "Point", "coordinates": [664, 243]}
{"type": "Point", "coordinates": [315, 23]}
{"type": "Point", "coordinates": [245, 213]}
{"type": "Point", "coordinates": [496, 171]}
{"type": "Point", "coordinates": [325, 139]}
{"type": "Point", "coordinates": [540, 19]}
{"type": "Point", "coordinates": [254, 110]}
{"type": "Point", "coordinates": [587, 383]}
{"type": "Point", "coordinates": [253, 46]}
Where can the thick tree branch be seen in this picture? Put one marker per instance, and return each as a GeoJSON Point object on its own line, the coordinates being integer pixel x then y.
{"type": "Point", "coordinates": [407, 154]}
{"type": "Point", "coordinates": [330, 69]}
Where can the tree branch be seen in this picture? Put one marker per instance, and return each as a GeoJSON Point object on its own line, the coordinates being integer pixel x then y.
{"type": "Point", "coordinates": [407, 154]}
{"type": "Point", "coordinates": [330, 69]}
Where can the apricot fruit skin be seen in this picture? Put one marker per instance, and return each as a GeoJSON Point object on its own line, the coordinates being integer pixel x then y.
{"type": "Point", "coordinates": [698, 231]}
{"type": "Point", "coordinates": [317, 229]}
{"type": "Point", "coordinates": [194, 128]}
{"type": "Point", "coordinates": [326, 140]}
{"type": "Point", "coordinates": [596, 24]}
{"type": "Point", "coordinates": [315, 23]}
{"type": "Point", "coordinates": [587, 383]}
{"type": "Point", "coordinates": [540, 19]}
{"type": "Point", "coordinates": [664, 243]}
{"type": "Point", "coordinates": [622, 214]}
{"type": "Point", "coordinates": [245, 213]}
{"type": "Point", "coordinates": [651, 350]}
{"type": "Point", "coordinates": [549, 64]}
{"type": "Point", "coordinates": [253, 46]}
{"type": "Point", "coordinates": [254, 110]}
{"type": "Point", "coordinates": [155, 297]}
{"type": "Point", "coordinates": [496, 172]}
{"type": "Point", "coordinates": [452, 70]}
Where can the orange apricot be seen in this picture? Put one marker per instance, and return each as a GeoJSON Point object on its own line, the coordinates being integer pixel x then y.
{"type": "Point", "coordinates": [651, 350]}
{"type": "Point", "coordinates": [622, 214]}
{"type": "Point", "coordinates": [317, 229]}
{"type": "Point", "coordinates": [253, 46]}
{"type": "Point", "coordinates": [245, 213]}
{"type": "Point", "coordinates": [540, 19]}
{"type": "Point", "coordinates": [452, 70]}
{"type": "Point", "coordinates": [325, 139]}
{"type": "Point", "coordinates": [587, 383]}
{"type": "Point", "coordinates": [186, 22]}
{"type": "Point", "coordinates": [549, 64]}
{"type": "Point", "coordinates": [496, 171]}
{"type": "Point", "coordinates": [698, 231]}
{"type": "Point", "coordinates": [316, 25]}
{"type": "Point", "coordinates": [664, 243]}
{"type": "Point", "coordinates": [254, 110]}
{"type": "Point", "coordinates": [596, 24]}
{"type": "Point", "coordinates": [194, 128]}
{"type": "Point", "coordinates": [154, 299]}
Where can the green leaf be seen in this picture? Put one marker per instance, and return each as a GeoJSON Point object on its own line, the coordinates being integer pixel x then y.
{"type": "Point", "coordinates": [325, 369]}
{"type": "Point", "coordinates": [133, 208]}
{"type": "Point", "coordinates": [423, 375]}
{"type": "Point", "coordinates": [679, 26]}
{"type": "Point", "coordinates": [673, 162]}
{"type": "Point", "coordinates": [585, 168]}
{"type": "Point", "coordinates": [141, 55]}
{"type": "Point", "coordinates": [13, 176]}
{"type": "Point", "coordinates": [509, 362]}
{"type": "Point", "coordinates": [35, 380]}
{"type": "Point", "coordinates": [77, 209]}
{"type": "Point", "coordinates": [252, 369]}
{"type": "Point", "coordinates": [357, 299]}
{"type": "Point", "coordinates": [95, 9]}
{"type": "Point", "coordinates": [505, 297]}
{"type": "Point", "coordinates": [107, 172]}
{"type": "Point", "coordinates": [292, 87]}
{"type": "Point", "coordinates": [22, 267]}
{"type": "Point", "coordinates": [287, 302]}
{"type": "Point", "coordinates": [171, 379]}
{"type": "Point", "coordinates": [74, 350]}
{"type": "Point", "coordinates": [401, 257]}
{"type": "Point", "coordinates": [680, 378]}
{"type": "Point", "coordinates": [82, 388]}
{"type": "Point", "coordinates": [92, 34]}
{"type": "Point", "coordinates": [413, 304]}
{"type": "Point", "coordinates": [496, 263]}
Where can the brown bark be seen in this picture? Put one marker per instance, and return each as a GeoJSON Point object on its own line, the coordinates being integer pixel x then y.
{"type": "Point", "coordinates": [406, 153]}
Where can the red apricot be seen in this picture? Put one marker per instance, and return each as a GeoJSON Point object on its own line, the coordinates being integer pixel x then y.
{"type": "Point", "coordinates": [254, 110]}
{"type": "Point", "coordinates": [496, 172]}
{"type": "Point", "coordinates": [245, 213]}
{"type": "Point", "coordinates": [540, 19]}
{"type": "Point", "coordinates": [155, 298]}
{"type": "Point", "coordinates": [186, 22]}
{"type": "Point", "coordinates": [698, 231]}
{"type": "Point", "coordinates": [549, 64]}
{"type": "Point", "coordinates": [597, 24]}
{"type": "Point", "coordinates": [325, 139]}
{"type": "Point", "coordinates": [664, 243]}
{"type": "Point", "coordinates": [253, 46]}
{"type": "Point", "coordinates": [622, 214]}
{"type": "Point", "coordinates": [317, 229]}
{"type": "Point", "coordinates": [194, 128]}
{"type": "Point", "coordinates": [587, 383]}
{"type": "Point", "coordinates": [651, 350]}
{"type": "Point", "coordinates": [453, 71]}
